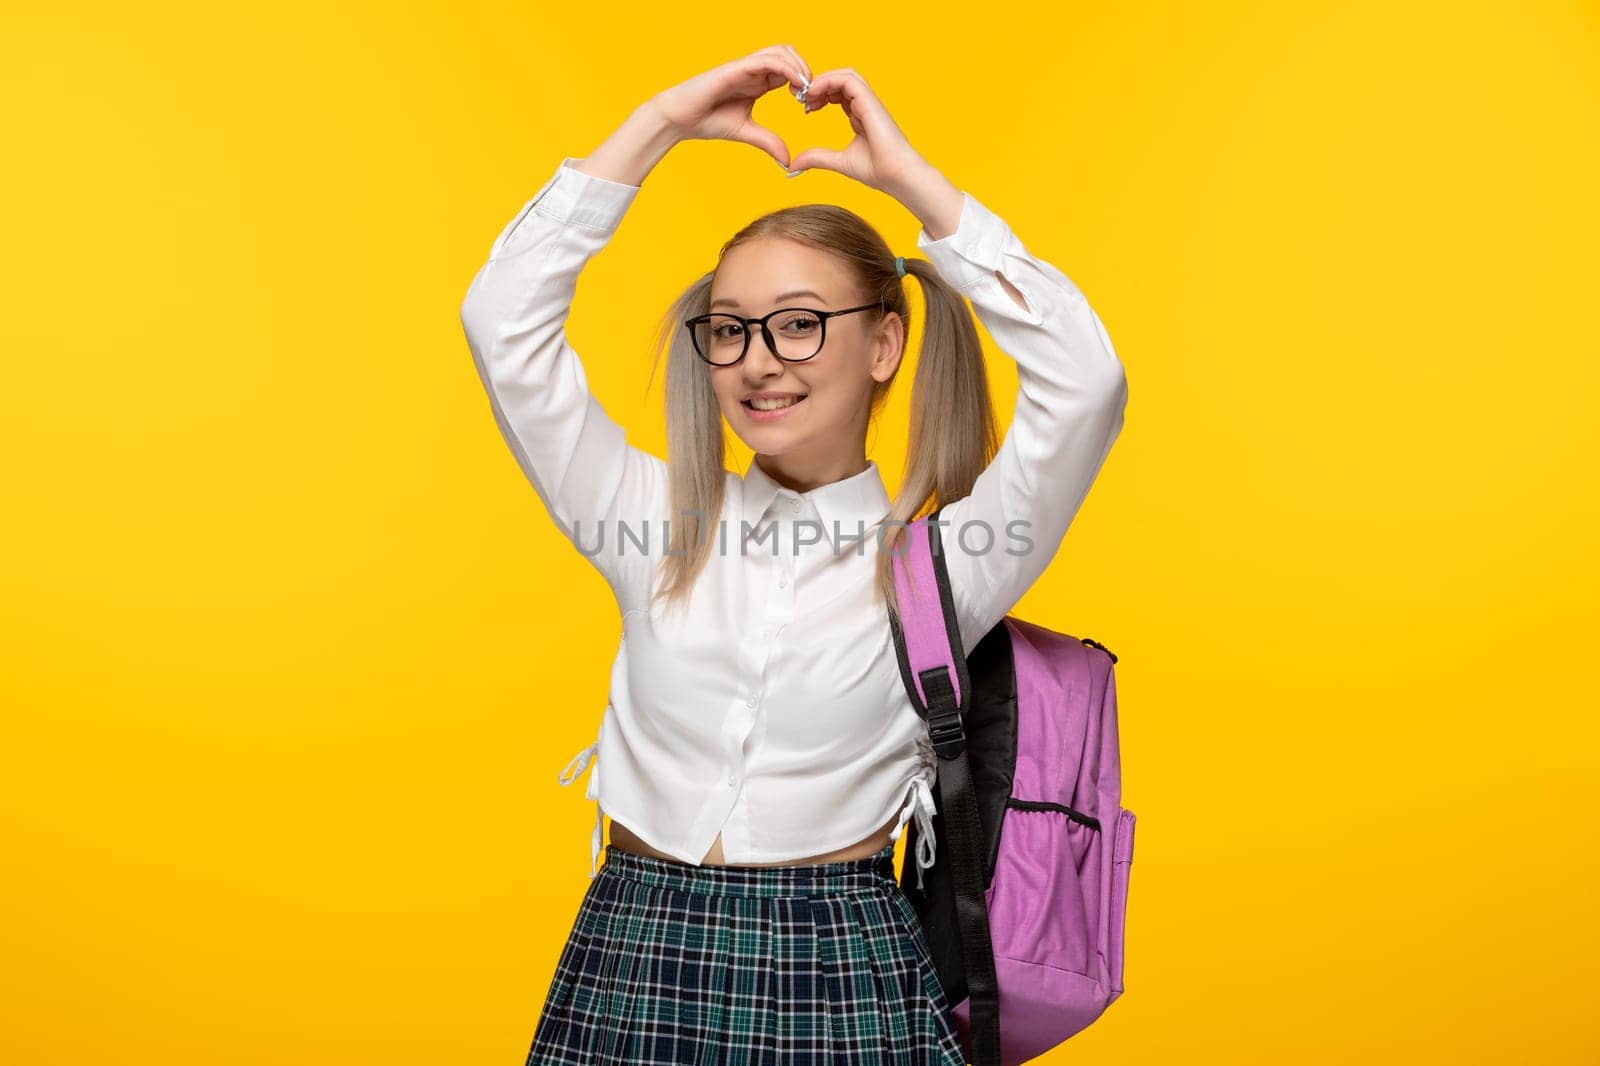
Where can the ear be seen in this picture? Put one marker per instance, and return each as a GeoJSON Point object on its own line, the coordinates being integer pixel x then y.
{"type": "Point", "coordinates": [888, 347]}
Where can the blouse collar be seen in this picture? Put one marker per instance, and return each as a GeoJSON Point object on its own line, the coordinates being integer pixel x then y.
{"type": "Point", "coordinates": [856, 503]}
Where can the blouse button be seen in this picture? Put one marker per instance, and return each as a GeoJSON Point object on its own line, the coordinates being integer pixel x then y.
{"type": "Point", "coordinates": [783, 581]}
{"type": "Point", "coordinates": [732, 780]}
{"type": "Point", "coordinates": [794, 505]}
{"type": "Point", "coordinates": [750, 701]}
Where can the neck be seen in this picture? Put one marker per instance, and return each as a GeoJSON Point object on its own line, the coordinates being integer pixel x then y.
{"type": "Point", "coordinates": [802, 475]}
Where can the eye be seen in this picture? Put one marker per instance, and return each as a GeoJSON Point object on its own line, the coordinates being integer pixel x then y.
{"type": "Point", "coordinates": [798, 323]}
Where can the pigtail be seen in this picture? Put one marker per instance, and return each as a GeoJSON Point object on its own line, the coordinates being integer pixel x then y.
{"type": "Point", "coordinates": [952, 435]}
{"type": "Point", "coordinates": [695, 452]}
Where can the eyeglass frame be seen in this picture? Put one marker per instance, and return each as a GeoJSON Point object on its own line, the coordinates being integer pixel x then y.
{"type": "Point", "coordinates": [766, 332]}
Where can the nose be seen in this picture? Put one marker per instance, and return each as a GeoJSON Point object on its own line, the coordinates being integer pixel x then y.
{"type": "Point", "coordinates": [760, 358]}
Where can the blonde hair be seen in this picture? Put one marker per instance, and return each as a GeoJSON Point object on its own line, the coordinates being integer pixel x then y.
{"type": "Point", "coordinates": [952, 435]}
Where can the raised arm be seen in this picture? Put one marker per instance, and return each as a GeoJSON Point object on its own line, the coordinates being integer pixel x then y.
{"type": "Point", "coordinates": [1071, 392]}
{"type": "Point", "coordinates": [1070, 386]}
{"type": "Point", "coordinates": [577, 458]}
{"type": "Point", "coordinates": [515, 311]}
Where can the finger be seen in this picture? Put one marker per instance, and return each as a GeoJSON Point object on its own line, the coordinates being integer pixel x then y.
{"type": "Point", "coordinates": [802, 69]}
{"type": "Point", "coordinates": [819, 159]}
{"type": "Point", "coordinates": [833, 87]}
{"type": "Point", "coordinates": [805, 68]}
{"type": "Point", "coordinates": [852, 111]}
{"type": "Point", "coordinates": [821, 95]}
{"type": "Point", "coordinates": [758, 75]}
{"type": "Point", "coordinates": [776, 61]}
{"type": "Point", "coordinates": [753, 133]}
{"type": "Point", "coordinates": [846, 88]}
{"type": "Point", "coordinates": [839, 75]}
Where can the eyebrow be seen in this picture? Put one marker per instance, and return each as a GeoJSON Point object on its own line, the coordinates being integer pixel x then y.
{"type": "Point", "coordinates": [731, 302]}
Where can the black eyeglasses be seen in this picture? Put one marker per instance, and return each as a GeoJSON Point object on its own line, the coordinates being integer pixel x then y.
{"type": "Point", "coordinates": [723, 339]}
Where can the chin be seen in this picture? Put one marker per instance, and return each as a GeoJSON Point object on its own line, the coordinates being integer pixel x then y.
{"type": "Point", "coordinates": [773, 441]}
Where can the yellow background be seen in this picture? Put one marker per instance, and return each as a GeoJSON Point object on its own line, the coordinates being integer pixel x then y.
{"type": "Point", "coordinates": [292, 657]}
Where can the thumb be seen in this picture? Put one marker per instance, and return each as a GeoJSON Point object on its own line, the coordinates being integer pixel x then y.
{"type": "Point", "coordinates": [764, 139]}
{"type": "Point", "coordinates": [820, 159]}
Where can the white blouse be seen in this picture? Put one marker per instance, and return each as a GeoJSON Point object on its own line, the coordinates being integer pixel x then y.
{"type": "Point", "coordinates": [772, 710]}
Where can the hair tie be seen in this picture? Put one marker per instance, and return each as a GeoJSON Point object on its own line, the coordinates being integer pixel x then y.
{"type": "Point", "coordinates": [900, 265]}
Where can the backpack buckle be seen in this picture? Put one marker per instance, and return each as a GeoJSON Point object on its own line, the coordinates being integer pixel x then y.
{"type": "Point", "coordinates": [944, 729]}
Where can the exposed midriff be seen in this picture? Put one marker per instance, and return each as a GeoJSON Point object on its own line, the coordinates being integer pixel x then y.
{"type": "Point", "coordinates": [625, 839]}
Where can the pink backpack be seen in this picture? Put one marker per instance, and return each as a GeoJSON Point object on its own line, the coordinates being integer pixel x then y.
{"type": "Point", "coordinates": [1024, 906]}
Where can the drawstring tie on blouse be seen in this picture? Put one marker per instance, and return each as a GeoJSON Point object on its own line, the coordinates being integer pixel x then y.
{"type": "Point", "coordinates": [568, 776]}
{"type": "Point", "coordinates": [920, 804]}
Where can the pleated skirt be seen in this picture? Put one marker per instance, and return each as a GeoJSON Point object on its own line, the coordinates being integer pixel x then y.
{"type": "Point", "coordinates": [669, 962]}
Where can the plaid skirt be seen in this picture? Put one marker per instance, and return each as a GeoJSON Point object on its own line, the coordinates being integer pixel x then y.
{"type": "Point", "coordinates": [669, 962]}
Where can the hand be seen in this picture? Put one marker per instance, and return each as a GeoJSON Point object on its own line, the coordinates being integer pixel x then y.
{"type": "Point", "coordinates": [879, 156]}
{"type": "Point", "coordinates": [716, 105]}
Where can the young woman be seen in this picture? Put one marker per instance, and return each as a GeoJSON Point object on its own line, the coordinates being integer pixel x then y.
{"type": "Point", "coordinates": [760, 754]}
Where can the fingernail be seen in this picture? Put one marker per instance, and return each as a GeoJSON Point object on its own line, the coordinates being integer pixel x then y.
{"type": "Point", "coordinates": [795, 173]}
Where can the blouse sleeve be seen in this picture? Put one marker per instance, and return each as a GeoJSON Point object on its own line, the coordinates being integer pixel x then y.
{"type": "Point", "coordinates": [589, 478]}
{"type": "Point", "coordinates": [1071, 392]}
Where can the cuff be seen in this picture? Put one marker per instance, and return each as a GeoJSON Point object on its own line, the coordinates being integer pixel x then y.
{"type": "Point", "coordinates": [583, 199]}
{"type": "Point", "coordinates": [972, 253]}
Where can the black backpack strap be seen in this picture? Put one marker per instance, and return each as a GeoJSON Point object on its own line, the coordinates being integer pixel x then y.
{"type": "Point", "coordinates": [933, 692]}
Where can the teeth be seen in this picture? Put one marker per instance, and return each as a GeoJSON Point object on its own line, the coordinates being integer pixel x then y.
{"type": "Point", "coordinates": [771, 403]}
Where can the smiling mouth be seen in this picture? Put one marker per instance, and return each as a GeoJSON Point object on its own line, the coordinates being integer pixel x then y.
{"type": "Point", "coordinates": [772, 404]}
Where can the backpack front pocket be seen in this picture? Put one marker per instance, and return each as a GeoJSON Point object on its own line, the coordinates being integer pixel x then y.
{"type": "Point", "coordinates": [1117, 917]}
